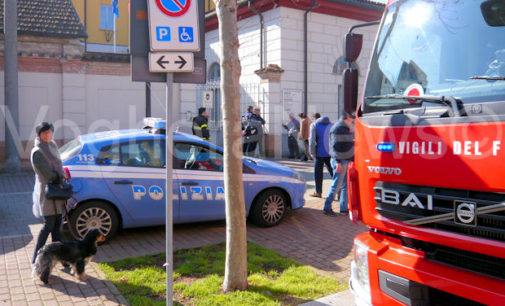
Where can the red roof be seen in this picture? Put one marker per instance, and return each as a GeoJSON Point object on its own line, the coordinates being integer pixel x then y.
{"type": "Point", "coordinates": [363, 10]}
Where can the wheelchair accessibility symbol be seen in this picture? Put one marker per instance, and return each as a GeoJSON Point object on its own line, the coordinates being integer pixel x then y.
{"type": "Point", "coordinates": [173, 8]}
{"type": "Point", "coordinates": [186, 34]}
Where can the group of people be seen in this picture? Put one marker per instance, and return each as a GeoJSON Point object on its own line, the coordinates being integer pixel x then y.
{"type": "Point", "coordinates": [252, 129]}
{"type": "Point", "coordinates": [330, 145]}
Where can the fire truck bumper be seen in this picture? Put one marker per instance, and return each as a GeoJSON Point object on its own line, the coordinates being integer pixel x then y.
{"type": "Point", "coordinates": [384, 272]}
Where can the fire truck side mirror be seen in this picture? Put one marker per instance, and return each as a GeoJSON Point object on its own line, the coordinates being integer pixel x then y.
{"type": "Point", "coordinates": [353, 44]}
{"type": "Point", "coordinates": [350, 90]}
{"type": "Point", "coordinates": [493, 12]}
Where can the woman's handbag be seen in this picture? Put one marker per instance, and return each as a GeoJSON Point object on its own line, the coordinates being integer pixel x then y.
{"type": "Point", "coordinates": [59, 191]}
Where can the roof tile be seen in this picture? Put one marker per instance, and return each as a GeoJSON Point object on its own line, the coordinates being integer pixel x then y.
{"type": "Point", "coordinates": [53, 18]}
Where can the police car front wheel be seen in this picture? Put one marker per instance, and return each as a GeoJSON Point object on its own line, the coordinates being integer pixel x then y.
{"type": "Point", "coordinates": [269, 208]}
{"type": "Point", "coordinates": [93, 215]}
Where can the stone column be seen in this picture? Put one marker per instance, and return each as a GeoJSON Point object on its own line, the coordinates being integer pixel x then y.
{"type": "Point", "coordinates": [270, 85]}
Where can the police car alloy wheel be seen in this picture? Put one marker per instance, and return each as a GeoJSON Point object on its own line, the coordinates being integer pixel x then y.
{"type": "Point", "coordinates": [93, 215]}
{"type": "Point", "coordinates": [269, 208]}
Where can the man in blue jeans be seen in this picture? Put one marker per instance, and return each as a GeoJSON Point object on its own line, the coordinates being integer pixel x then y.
{"type": "Point", "coordinates": [342, 152]}
{"type": "Point", "coordinates": [319, 142]}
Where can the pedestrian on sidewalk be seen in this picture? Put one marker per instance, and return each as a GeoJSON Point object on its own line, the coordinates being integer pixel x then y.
{"type": "Point", "coordinates": [319, 141]}
{"type": "Point", "coordinates": [293, 128]}
{"type": "Point", "coordinates": [200, 124]}
{"type": "Point", "coordinates": [315, 116]}
{"type": "Point", "coordinates": [250, 135]}
{"type": "Point", "coordinates": [46, 163]}
{"type": "Point", "coordinates": [304, 136]}
{"type": "Point", "coordinates": [342, 152]}
{"type": "Point", "coordinates": [261, 132]}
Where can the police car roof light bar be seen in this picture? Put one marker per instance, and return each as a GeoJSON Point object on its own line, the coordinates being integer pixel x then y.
{"type": "Point", "coordinates": [155, 123]}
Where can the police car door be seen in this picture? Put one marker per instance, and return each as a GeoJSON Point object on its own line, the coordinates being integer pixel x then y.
{"type": "Point", "coordinates": [138, 182]}
{"type": "Point", "coordinates": [199, 172]}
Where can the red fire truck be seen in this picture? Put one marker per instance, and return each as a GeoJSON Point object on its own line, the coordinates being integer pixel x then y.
{"type": "Point", "coordinates": [429, 172]}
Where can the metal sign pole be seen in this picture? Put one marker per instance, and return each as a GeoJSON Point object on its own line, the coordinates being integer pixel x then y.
{"type": "Point", "coordinates": [169, 192]}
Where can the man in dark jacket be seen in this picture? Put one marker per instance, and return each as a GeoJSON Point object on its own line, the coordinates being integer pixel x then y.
{"type": "Point", "coordinates": [319, 142]}
{"type": "Point", "coordinates": [200, 127]}
{"type": "Point", "coordinates": [342, 152]}
{"type": "Point", "coordinates": [293, 128]}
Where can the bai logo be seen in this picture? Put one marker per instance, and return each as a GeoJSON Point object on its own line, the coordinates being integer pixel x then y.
{"type": "Point", "coordinates": [390, 196]}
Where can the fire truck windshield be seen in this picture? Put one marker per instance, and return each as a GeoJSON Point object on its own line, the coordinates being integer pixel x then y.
{"type": "Point", "coordinates": [437, 48]}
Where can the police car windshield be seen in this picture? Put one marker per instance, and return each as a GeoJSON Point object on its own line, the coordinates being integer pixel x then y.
{"type": "Point", "coordinates": [70, 149]}
{"type": "Point", "coordinates": [437, 49]}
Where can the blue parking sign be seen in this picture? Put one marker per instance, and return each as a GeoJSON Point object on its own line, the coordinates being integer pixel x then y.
{"type": "Point", "coordinates": [163, 33]}
{"type": "Point", "coordinates": [186, 34]}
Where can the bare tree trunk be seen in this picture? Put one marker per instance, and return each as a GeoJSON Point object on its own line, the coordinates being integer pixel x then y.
{"type": "Point", "coordinates": [235, 277]}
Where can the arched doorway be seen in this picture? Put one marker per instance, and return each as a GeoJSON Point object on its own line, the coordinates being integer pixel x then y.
{"type": "Point", "coordinates": [214, 108]}
{"type": "Point", "coordinates": [213, 83]}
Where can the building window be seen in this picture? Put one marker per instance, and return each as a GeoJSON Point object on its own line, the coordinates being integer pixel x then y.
{"type": "Point", "coordinates": [214, 73]}
{"type": "Point", "coordinates": [214, 79]}
{"type": "Point", "coordinates": [106, 17]}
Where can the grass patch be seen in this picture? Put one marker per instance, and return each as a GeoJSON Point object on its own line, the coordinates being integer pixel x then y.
{"type": "Point", "coordinates": [198, 277]}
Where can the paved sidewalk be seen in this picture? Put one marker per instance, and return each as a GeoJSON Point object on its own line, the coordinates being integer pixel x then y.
{"type": "Point", "coordinates": [306, 235]}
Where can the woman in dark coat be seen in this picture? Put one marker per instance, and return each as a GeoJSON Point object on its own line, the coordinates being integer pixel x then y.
{"type": "Point", "coordinates": [46, 163]}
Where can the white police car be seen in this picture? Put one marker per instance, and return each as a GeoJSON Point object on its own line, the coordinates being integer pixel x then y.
{"type": "Point", "coordinates": [119, 180]}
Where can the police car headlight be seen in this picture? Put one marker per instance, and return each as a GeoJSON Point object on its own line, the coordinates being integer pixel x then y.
{"type": "Point", "coordinates": [359, 273]}
{"type": "Point", "coordinates": [297, 175]}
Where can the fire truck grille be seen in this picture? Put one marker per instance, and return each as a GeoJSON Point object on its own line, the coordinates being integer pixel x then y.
{"type": "Point", "coordinates": [451, 210]}
{"type": "Point", "coordinates": [475, 262]}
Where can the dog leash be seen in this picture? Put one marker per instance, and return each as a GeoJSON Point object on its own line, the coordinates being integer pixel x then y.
{"type": "Point", "coordinates": [70, 207]}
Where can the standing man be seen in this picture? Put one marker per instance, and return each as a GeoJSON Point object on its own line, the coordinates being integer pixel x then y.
{"type": "Point", "coordinates": [319, 141]}
{"type": "Point", "coordinates": [257, 116]}
{"type": "Point", "coordinates": [342, 152]}
{"type": "Point", "coordinates": [250, 136]}
{"type": "Point", "coordinates": [200, 124]}
{"type": "Point", "coordinates": [304, 136]}
{"type": "Point", "coordinates": [247, 116]}
{"type": "Point", "coordinates": [315, 116]}
{"type": "Point", "coordinates": [293, 128]}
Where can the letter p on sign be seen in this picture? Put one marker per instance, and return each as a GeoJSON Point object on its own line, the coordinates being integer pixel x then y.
{"type": "Point", "coordinates": [163, 33]}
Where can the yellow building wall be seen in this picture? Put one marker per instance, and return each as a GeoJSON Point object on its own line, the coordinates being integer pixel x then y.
{"type": "Point", "coordinates": [209, 6]}
{"type": "Point", "coordinates": [95, 34]}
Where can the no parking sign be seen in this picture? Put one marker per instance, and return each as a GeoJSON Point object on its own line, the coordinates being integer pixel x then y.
{"type": "Point", "coordinates": [173, 25]}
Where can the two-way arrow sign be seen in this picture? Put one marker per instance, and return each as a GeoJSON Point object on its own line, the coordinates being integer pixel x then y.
{"type": "Point", "coordinates": [171, 62]}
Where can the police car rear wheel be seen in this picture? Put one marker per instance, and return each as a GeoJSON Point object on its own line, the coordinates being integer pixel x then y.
{"type": "Point", "coordinates": [93, 215]}
{"type": "Point", "coordinates": [269, 208]}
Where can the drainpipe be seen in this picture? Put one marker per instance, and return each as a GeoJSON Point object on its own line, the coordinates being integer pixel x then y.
{"type": "Point", "coordinates": [86, 24]}
{"type": "Point", "coordinates": [262, 26]}
{"type": "Point", "coordinates": [305, 51]}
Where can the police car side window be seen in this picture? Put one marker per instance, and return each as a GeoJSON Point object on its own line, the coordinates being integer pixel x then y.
{"type": "Point", "coordinates": [195, 157]}
{"type": "Point", "coordinates": [143, 153]}
{"type": "Point", "coordinates": [109, 155]}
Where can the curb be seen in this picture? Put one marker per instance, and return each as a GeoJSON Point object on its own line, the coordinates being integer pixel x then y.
{"type": "Point", "coordinates": [342, 298]}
